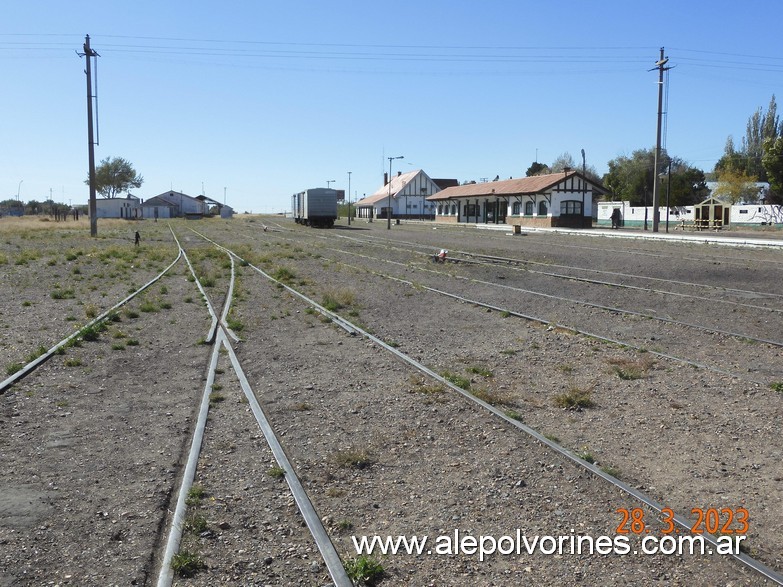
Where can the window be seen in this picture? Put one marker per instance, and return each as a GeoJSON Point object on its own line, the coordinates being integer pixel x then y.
{"type": "Point", "coordinates": [440, 209]}
{"type": "Point", "coordinates": [515, 208]}
{"type": "Point", "coordinates": [542, 209]}
{"type": "Point", "coordinates": [529, 208]}
{"type": "Point", "coordinates": [570, 208]}
{"type": "Point", "coordinates": [472, 210]}
{"type": "Point", "coordinates": [453, 208]}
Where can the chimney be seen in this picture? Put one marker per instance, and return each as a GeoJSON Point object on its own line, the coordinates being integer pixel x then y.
{"type": "Point", "coordinates": [385, 179]}
{"type": "Point", "coordinates": [399, 173]}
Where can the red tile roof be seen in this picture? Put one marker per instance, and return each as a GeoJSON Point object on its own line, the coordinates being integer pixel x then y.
{"type": "Point", "coordinates": [509, 187]}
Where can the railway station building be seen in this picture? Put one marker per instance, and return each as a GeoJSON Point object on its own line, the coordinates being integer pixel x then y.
{"type": "Point", "coordinates": [405, 196]}
{"type": "Point", "coordinates": [557, 199]}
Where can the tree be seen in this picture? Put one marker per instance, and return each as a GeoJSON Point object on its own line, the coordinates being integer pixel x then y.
{"type": "Point", "coordinates": [114, 176]}
{"type": "Point", "coordinates": [567, 160]}
{"type": "Point", "coordinates": [736, 186]}
{"type": "Point", "coordinates": [631, 178]}
{"type": "Point", "coordinates": [33, 207]}
{"type": "Point", "coordinates": [773, 165]}
{"type": "Point", "coordinates": [564, 160]}
{"type": "Point", "coordinates": [537, 169]}
{"type": "Point", "coordinates": [761, 127]}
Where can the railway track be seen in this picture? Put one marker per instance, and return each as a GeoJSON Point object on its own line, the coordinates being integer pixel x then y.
{"type": "Point", "coordinates": [221, 335]}
{"type": "Point", "coordinates": [498, 427]}
{"type": "Point", "coordinates": [736, 342]}
{"type": "Point", "coordinates": [636, 248]}
{"type": "Point", "coordinates": [685, 523]}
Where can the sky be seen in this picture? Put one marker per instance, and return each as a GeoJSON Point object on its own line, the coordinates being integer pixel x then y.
{"type": "Point", "coordinates": [248, 102]}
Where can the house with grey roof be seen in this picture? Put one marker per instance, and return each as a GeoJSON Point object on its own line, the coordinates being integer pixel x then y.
{"type": "Point", "coordinates": [173, 204]}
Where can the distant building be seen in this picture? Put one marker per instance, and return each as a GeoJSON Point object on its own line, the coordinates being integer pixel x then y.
{"type": "Point", "coordinates": [128, 207]}
{"type": "Point", "coordinates": [404, 197]}
{"type": "Point", "coordinates": [12, 208]}
{"type": "Point", "coordinates": [215, 208]}
{"type": "Point", "coordinates": [174, 205]}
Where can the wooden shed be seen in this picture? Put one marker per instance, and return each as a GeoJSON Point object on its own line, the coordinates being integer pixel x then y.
{"type": "Point", "coordinates": [711, 213]}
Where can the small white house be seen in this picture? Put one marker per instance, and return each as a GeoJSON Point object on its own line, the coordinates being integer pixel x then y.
{"type": "Point", "coordinates": [127, 207]}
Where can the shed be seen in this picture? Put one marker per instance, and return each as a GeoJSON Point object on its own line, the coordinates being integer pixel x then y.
{"type": "Point", "coordinates": [711, 213]}
{"type": "Point", "coordinates": [128, 207]}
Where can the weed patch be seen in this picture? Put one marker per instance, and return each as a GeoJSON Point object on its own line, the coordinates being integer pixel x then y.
{"type": "Point", "coordinates": [456, 379]}
{"type": "Point", "coordinates": [574, 399]}
{"type": "Point", "coordinates": [276, 472]}
{"type": "Point", "coordinates": [479, 370]}
{"type": "Point", "coordinates": [354, 458]}
{"type": "Point", "coordinates": [195, 494]}
{"type": "Point", "coordinates": [364, 569]}
{"type": "Point", "coordinates": [13, 368]}
{"type": "Point", "coordinates": [336, 299]}
{"type": "Point", "coordinates": [630, 369]}
{"type": "Point", "coordinates": [186, 563]}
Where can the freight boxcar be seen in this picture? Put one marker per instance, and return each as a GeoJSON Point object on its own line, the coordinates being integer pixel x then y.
{"type": "Point", "coordinates": [315, 207]}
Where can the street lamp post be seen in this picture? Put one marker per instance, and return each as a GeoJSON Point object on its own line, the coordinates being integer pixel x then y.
{"type": "Point", "coordinates": [389, 208]}
{"type": "Point", "coordinates": [584, 187]}
{"type": "Point", "coordinates": [668, 189]}
{"type": "Point", "coordinates": [349, 198]}
{"type": "Point", "coordinates": [328, 181]}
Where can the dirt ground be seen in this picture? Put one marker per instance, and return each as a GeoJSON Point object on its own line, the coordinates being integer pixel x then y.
{"type": "Point", "coordinates": [92, 443]}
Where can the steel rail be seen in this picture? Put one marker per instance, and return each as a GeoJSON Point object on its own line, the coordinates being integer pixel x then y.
{"type": "Point", "coordinates": [213, 327]}
{"type": "Point", "coordinates": [336, 318]}
{"type": "Point", "coordinates": [34, 364]}
{"type": "Point", "coordinates": [603, 307]}
{"type": "Point", "coordinates": [628, 312]}
{"type": "Point", "coordinates": [369, 240]}
{"type": "Point", "coordinates": [738, 243]}
{"type": "Point", "coordinates": [553, 324]}
{"type": "Point", "coordinates": [312, 519]}
{"type": "Point", "coordinates": [572, 328]}
{"type": "Point", "coordinates": [682, 521]}
{"type": "Point", "coordinates": [227, 304]}
{"type": "Point", "coordinates": [510, 260]}
{"type": "Point", "coordinates": [166, 575]}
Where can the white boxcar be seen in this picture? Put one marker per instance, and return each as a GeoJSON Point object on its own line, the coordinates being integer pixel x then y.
{"type": "Point", "coordinates": [315, 207]}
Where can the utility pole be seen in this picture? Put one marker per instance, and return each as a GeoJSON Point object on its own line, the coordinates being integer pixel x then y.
{"type": "Point", "coordinates": [88, 53]}
{"type": "Point", "coordinates": [660, 65]}
{"type": "Point", "coordinates": [349, 198]}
